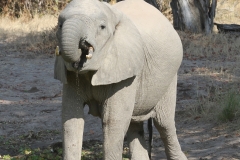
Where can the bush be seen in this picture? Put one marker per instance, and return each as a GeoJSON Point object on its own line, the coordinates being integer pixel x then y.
{"type": "Point", "coordinates": [231, 106]}
{"type": "Point", "coordinates": [30, 8]}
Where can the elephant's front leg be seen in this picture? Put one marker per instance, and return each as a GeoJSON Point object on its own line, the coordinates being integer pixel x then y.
{"type": "Point", "coordinates": [73, 123]}
{"type": "Point", "coordinates": [117, 113]}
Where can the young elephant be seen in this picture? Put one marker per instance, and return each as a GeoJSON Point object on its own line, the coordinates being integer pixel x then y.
{"type": "Point", "coordinates": [121, 61]}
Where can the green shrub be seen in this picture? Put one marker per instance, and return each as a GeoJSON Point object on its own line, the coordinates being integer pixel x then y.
{"type": "Point", "coordinates": [6, 157]}
{"type": "Point", "coordinates": [230, 106]}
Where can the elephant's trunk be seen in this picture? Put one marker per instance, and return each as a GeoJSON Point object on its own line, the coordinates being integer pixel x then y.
{"type": "Point", "coordinates": [75, 41]}
{"type": "Point", "coordinates": [70, 39]}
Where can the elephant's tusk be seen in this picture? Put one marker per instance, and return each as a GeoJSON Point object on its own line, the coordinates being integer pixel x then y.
{"type": "Point", "coordinates": [89, 56]}
{"type": "Point", "coordinates": [90, 51]}
{"type": "Point", "coordinates": [57, 51]}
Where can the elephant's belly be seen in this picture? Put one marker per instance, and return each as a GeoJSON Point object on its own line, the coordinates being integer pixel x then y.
{"type": "Point", "coordinates": [143, 107]}
{"type": "Point", "coordinates": [146, 101]}
{"type": "Point", "coordinates": [149, 94]}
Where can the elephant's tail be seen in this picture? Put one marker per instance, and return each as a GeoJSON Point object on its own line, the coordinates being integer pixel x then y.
{"type": "Point", "coordinates": [150, 132]}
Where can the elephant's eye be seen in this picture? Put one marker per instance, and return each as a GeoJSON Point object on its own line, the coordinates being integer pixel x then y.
{"type": "Point", "coordinates": [102, 27]}
{"type": "Point", "coordinates": [60, 26]}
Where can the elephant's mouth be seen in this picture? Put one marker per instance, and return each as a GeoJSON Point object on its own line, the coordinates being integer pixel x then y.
{"type": "Point", "coordinates": [86, 52]}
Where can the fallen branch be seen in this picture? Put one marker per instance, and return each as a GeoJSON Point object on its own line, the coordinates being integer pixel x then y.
{"type": "Point", "coordinates": [228, 27]}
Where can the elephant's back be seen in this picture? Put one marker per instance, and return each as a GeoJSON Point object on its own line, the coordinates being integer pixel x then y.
{"type": "Point", "coordinates": [163, 51]}
{"type": "Point", "coordinates": [145, 17]}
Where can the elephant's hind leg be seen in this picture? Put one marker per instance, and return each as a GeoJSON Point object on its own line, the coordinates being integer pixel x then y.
{"type": "Point", "coordinates": [165, 124]}
{"type": "Point", "coordinates": [135, 137]}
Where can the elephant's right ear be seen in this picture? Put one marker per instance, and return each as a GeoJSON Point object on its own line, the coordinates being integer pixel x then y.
{"type": "Point", "coordinates": [60, 71]}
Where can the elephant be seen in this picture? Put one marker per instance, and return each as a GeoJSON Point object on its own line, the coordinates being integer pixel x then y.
{"type": "Point", "coordinates": [122, 61]}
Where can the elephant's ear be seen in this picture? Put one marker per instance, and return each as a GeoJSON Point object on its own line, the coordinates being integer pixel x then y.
{"type": "Point", "coordinates": [124, 55]}
{"type": "Point", "coordinates": [60, 72]}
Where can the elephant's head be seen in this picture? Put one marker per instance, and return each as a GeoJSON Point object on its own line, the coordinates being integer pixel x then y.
{"type": "Point", "coordinates": [95, 37]}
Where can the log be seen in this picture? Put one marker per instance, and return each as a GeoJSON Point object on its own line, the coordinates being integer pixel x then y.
{"type": "Point", "coordinates": [228, 27]}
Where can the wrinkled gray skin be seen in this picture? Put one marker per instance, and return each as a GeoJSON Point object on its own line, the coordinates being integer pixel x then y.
{"type": "Point", "coordinates": [131, 76]}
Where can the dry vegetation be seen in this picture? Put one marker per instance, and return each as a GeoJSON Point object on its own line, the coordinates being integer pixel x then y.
{"type": "Point", "coordinates": [215, 72]}
{"type": "Point", "coordinates": [37, 35]}
{"type": "Point", "coordinates": [30, 8]}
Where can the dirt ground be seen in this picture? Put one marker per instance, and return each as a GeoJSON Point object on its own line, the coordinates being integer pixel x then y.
{"type": "Point", "coordinates": [30, 107]}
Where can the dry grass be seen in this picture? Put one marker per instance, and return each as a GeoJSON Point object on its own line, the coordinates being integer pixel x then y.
{"type": "Point", "coordinates": [216, 45]}
{"type": "Point", "coordinates": [37, 35]}
{"type": "Point", "coordinates": [215, 61]}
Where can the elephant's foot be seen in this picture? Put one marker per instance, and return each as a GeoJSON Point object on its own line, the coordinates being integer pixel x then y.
{"type": "Point", "coordinates": [170, 140]}
{"type": "Point", "coordinates": [135, 137]}
{"type": "Point", "coordinates": [172, 147]}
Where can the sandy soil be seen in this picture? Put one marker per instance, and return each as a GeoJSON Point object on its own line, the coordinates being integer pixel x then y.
{"type": "Point", "coordinates": [30, 101]}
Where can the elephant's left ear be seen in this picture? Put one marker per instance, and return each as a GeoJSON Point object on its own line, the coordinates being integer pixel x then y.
{"type": "Point", "coordinates": [60, 72]}
{"type": "Point", "coordinates": [124, 55]}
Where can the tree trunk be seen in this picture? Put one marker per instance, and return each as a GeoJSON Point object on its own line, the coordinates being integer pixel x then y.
{"type": "Point", "coordinates": [193, 15]}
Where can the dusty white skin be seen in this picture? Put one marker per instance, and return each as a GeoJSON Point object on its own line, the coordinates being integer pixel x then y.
{"type": "Point", "coordinates": [127, 64]}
